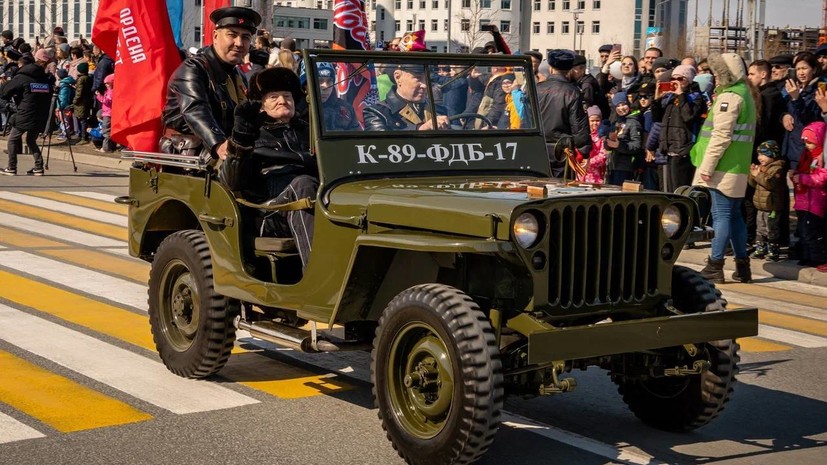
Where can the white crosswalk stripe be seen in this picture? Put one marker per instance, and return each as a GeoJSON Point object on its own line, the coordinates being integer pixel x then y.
{"type": "Point", "coordinates": [57, 232]}
{"type": "Point", "coordinates": [77, 278]}
{"type": "Point", "coordinates": [121, 369]}
{"type": "Point", "coordinates": [63, 207]}
{"type": "Point", "coordinates": [92, 195]}
{"type": "Point", "coordinates": [12, 430]}
{"type": "Point", "coordinates": [796, 338]}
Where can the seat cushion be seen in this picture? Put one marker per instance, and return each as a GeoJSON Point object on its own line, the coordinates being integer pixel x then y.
{"type": "Point", "coordinates": [275, 244]}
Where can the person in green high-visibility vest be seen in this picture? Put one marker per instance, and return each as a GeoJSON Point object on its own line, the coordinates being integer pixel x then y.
{"type": "Point", "coordinates": [722, 156]}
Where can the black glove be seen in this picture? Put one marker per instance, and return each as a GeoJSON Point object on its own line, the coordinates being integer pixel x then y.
{"type": "Point", "coordinates": [248, 121]}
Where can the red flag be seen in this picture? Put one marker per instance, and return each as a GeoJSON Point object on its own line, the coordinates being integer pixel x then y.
{"type": "Point", "coordinates": [138, 35]}
{"type": "Point", "coordinates": [350, 32]}
{"type": "Point", "coordinates": [209, 27]}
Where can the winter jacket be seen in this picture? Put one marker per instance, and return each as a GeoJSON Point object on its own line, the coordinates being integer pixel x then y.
{"type": "Point", "coordinates": [104, 67]}
{"type": "Point", "coordinates": [681, 120]}
{"type": "Point", "coordinates": [66, 92]}
{"type": "Point", "coordinates": [811, 189]}
{"type": "Point", "coordinates": [562, 114]}
{"type": "Point", "coordinates": [770, 186]}
{"type": "Point", "coordinates": [630, 144]}
{"type": "Point", "coordinates": [804, 110]}
{"type": "Point", "coordinates": [773, 107]}
{"type": "Point", "coordinates": [592, 94]}
{"type": "Point", "coordinates": [105, 100]}
{"type": "Point", "coordinates": [31, 90]}
{"type": "Point", "coordinates": [73, 67]}
{"type": "Point", "coordinates": [82, 103]}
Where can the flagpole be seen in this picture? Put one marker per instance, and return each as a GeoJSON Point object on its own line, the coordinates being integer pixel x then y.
{"type": "Point", "coordinates": [201, 38]}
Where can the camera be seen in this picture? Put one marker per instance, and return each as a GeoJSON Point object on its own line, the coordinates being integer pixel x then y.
{"type": "Point", "coordinates": [667, 86]}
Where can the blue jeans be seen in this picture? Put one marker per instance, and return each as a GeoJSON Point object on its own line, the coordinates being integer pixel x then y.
{"type": "Point", "coordinates": [729, 225]}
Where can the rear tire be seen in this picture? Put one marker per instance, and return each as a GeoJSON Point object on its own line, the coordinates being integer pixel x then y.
{"type": "Point", "coordinates": [686, 403]}
{"type": "Point", "coordinates": [192, 325]}
{"type": "Point", "coordinates": [437, 376]}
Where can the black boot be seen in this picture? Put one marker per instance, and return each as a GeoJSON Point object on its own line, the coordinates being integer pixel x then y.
{"type": "Point", "coordinates": [742, 271]}
{"type": "Point", "coordinates": [774, 252]}
{"type": "Point", "coordinates": [714, 270]}
{"type": "Point", "coordinates": [760, 250]}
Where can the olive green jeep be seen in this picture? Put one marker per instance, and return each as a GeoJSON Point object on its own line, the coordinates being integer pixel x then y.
{"type": "Point", "coordinates": [453, 256]}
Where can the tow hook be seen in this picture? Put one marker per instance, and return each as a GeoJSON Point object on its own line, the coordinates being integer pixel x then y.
{"type": "Point", "coordinates": [698, 367]}
{"type": "Point", "coordinates": [558, 385]}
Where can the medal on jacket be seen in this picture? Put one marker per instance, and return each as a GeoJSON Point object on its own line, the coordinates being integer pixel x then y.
{"type": "Point", "coordinates": [409, 114]}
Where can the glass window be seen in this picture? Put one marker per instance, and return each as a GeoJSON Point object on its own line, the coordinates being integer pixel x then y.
{"type": "Point", "coordinates": [566, 5]}
{"type": "Point", "coordinates": [565, 27]}
{"type": "Point", "coordinates": [595, 27]}
{"type": "Point", "coordinates": [550, 27]}
{"type": "Point", "coordinates": [422, 4]}
{"type": "Point", "coordinates": [410, 4]}
{"type": "Point", "coordinates": [581, 4]}
{"type": "Point", "coordinates": [381, 13]}
{"type": "Point", "coordinates": [485, 4]}
{"type": "Point", "coordinates": [580, 27]}
{"type": "Point", "coordinates": [32, 16]}
{"type": "Point", "coordinates": [434, 25]}
{"type": "Point", "coordinates": [537, 4]}
{"type": "Point", "coordinates": [397, 26]}
{"type": "Point", "coordinates": [535, 27]}
{"type": "Point", "coordinates": [506, 4]}
{"type": "Point", "coordinates": [75, 13]}
{"type": "Point", "coordinates": [445, 25]}
{"type": "Point", "coordinates": [21, 12]}
{"type": "Point", "coordinates": [409, 25]}
{"type": "Point", "coordinates": [596, 4]}
{"type": "Point", "coordinates": [552, 5]}
{"type": "Point", "coordinates": [465, 25]}
{"type": "Point", "coordinates": [397, 4]}
{"type": "Point", "coordinates": [466, 3]}
{"type": "Point", "coordinates": [321, 24]}
{"type": "Point", "coordinates": [505, 26]}
{"type": "Point", "coordinates": [421, 25]}
{"type": "Point", "coordinates": [435, 4]}
{"type": "Point", "coordinates": [196, 34]}
{"type": "Point", "coordinates": [319, 4]}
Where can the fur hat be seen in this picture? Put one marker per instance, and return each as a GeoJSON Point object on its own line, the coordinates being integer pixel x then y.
{"type": "Point", "coordinates": [275, 80]}
{"type": "Point", "coordinates": [579, 60]}
{"type": "Point", "coordinates": [561, 59]}
{"type": "Point", "coordinates": [728, 67]}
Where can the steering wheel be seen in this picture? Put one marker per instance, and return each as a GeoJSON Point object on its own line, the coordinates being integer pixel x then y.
{"type": "Point", "coordinates": [468, 117]}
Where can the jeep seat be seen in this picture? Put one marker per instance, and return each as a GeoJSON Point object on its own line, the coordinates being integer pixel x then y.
{"type": "Point", "coordinates": [275, 244]}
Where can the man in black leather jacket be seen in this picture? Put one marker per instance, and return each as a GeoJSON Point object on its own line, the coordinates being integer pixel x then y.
{"type": "Point", "coordinates": [268, 159]}
{"type": "Point", "coordinates": [404, 108]}
{"type": "Point", "coordinates": [560, 102]}
{"type": "Point", "coordinates": [205, 89]}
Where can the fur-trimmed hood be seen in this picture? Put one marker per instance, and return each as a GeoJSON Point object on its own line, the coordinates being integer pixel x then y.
{"type": "Point", "coordinates": [728, 68]}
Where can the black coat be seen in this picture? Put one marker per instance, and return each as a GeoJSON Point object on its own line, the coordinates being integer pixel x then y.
{"type": "Point", "coordinates": [198, 101]}
{"type": "Point", "coordinates": [561, 109]}
{"type": "Point", "coordinates": [31, 90]}
{"type": "Point", "coordinates": [773, 108]}
{"type": "Point", "coordinates": [396, 113]}
{"type": "Point", "coordinates": [104, 67]}
{"type": "Point", "coordinates": [593, 94]}
{"type": "Point", "coordinates": [681, 121]}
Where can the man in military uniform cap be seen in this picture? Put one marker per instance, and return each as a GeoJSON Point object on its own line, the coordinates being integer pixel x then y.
{"type": "Point", "coordinates": [405, 107]}
{"type": "Point", "coordinates": [780, 64]}
{"type": "Point", "coordinates": [205, 89]}
{"type": "Point", "coordinates": [338, 115]}
{"type": "Point", "coordinates": [560, 102]}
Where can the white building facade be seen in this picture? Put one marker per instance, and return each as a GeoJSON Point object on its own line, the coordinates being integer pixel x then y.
{"type": "Point", "coordinates": [34, 20]}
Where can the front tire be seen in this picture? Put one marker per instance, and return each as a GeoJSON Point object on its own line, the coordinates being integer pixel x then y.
{"type": "Point", "coordinates": [192, 325]}
{"type": "Point", "coordinates": [685, 403]}
{"type": "Point", "coordinates": [437, 376]}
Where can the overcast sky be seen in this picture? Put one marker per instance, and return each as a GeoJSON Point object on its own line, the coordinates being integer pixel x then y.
{"type": "Point", "coordinates": [780, 13]}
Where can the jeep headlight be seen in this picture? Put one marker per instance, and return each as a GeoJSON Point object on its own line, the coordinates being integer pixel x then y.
{"type": "Point", "coordinates": [671, 221]}
{"type": "Point", "coordinates": [526, 230]}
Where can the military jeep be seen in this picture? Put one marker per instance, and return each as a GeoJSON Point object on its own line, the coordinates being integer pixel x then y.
{"type": "Point", "coordinates": [453, 256]}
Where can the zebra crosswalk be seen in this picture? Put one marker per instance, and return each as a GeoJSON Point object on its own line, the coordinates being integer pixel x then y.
{"type": "Point", "coordinates": [76, 352]}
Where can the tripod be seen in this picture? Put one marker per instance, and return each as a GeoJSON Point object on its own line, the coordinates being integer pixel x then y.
{"type": "Point", "coordinates": [48, 132]}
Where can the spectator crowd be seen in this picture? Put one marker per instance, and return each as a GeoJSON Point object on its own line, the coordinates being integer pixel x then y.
{"type": "Point", "coordinates": [751, 133]}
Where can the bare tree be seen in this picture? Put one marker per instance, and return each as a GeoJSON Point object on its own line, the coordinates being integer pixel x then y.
{"type": "Point", "coordinates": [473, 14]}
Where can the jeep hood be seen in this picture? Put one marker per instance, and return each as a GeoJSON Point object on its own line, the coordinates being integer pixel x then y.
{"type": "Point", "coordinates": [449, 205]}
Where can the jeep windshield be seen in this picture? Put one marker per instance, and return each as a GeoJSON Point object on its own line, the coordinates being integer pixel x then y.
{"type": "Point", "coordinates": [399, 114]}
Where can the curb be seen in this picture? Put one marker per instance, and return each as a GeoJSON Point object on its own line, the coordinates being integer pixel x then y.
{"type": "Point", "coordinates": [787, 270]}
{"type": "Point", "coordinates": [104, 161]}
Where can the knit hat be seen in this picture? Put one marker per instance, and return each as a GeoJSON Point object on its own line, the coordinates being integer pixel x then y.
{"type": "Point", "coordinates": [814, 133]}
{"type": "Point", "coordinates": [64, 48]}
{"type": "Point", "coordinates": [83, 68]}
{"type": "Point", "coordinates": [662, 62]}
{"type": "Point", "coordinates": [594, 110]}
{"type": "Point", "coordinates": [42, 55]}
{"type": "Point", "coordinates": [821, 50]}
{"type": "Point", "coordinates": [109, 79]}
{"type": "Point", "coordinates": [685, 71]}
{"type": "Point", "coordinates": [326, 70]}
{"type": "Point", "coordinates": [769, 148]}
{"type": "Point", "coordinates": [61, 73]}
{"type": "Point", "coordinates": [620, 97]}
{"type": "Point", "coordinates": [275, 80]}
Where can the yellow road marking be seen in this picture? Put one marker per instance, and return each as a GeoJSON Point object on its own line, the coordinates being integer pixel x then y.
{"type": "Point", "coordinates": [80, 201]}
{"type": "Point", "coordinates": [74, 222]}
{"type": "Point", "coordinates": [787, 321]}
{"type": "Point", "coordinates": [776, 294]}
{"type": "Point", "coordinates": [29, 239]}
{"type": "Point", "coordinates": [57, 401]}
{"type": "Point", "coordinates": [280, 379]}
{"type": "Point", "coordinates": [754, 344]}
{"type": "Point", "coordinates": [106, 319]}
{"type": "Point", "coordinates": [131, 269]}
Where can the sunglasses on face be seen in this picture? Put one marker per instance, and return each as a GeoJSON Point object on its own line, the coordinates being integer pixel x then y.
{"type": "Point", "coordinates": [679, 78]}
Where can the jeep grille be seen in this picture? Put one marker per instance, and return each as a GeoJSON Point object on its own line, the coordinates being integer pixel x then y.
{"type": "Point", "coordinates": [602, 254]}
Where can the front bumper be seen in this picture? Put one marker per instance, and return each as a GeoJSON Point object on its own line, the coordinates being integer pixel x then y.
{"type": "Point", "coordinates": [601, 339]}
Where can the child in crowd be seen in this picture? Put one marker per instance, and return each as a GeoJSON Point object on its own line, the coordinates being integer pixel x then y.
{"type": "Point", "coordinates": [65, 95]}
{"type": "Point", "coordinates": [596, 164]}
{"type": "Point", "coordinates": [105, 100]}
{"type": "Point", "coordinates": [810, 184]}
{"type": "Point", "coordinates": [625, 141]}
{"type": "Point", "coordinates": [82, 103]}
{"type": "Point", "coordinates": [769, 178]}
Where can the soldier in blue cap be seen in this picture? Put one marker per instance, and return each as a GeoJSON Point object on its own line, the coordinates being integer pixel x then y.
{"type": "Point", "coordinates": [564, 118]}
{"type": "Point", "coordinates": [337, 115]}
{"type": "Point", "coordinates": [206, 88]}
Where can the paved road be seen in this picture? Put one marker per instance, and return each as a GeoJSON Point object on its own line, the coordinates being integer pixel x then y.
{"type": "Point", "coordinates": [80, 382]}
